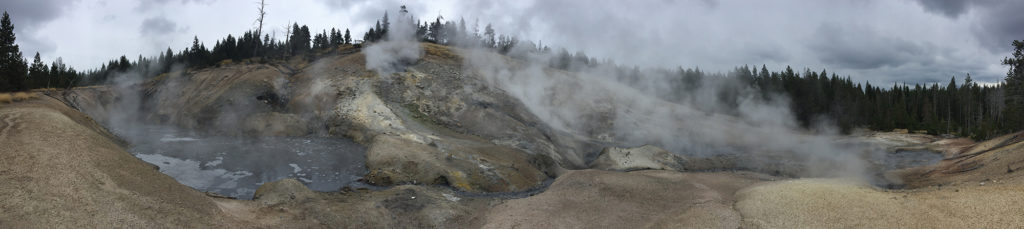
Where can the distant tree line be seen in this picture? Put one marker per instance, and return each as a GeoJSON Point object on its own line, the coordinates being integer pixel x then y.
{"type": "Point", "coordinates": [299, 41]}
{"type": "Point", "coordinates": [962, 108]}
{"type": "Point", "coordinates": [444, 32]}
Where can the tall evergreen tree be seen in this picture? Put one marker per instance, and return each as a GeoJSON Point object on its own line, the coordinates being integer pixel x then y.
{"type": "Point", "coordinates": [489, 36]}
{"type": "Point", "coordinates": [335, 38]}
{"type": "Point", "coordinates": [13, 70]}
{"type": "Point", "coordinates": [348, 37]}
{"type": "Point", "coordinates": [1014, 89]}
{"type": "Point", "coordinates": [305, 38]}
{"type": "Point", "coordinates": [37, 72]}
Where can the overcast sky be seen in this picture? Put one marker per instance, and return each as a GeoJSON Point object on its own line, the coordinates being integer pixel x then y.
{"type": "Point", "coordinates": [883, 41]}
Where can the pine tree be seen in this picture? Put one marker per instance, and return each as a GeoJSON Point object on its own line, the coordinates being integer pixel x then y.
{"type": "Point", "coordinates": [386, 25]}
{"type": "Point", "coordinates": [461, 37]}
{"type": "Point", "coordinates": [1014, 89]}
{"type": "Point", "coordinates": [13, 70]}
{"type": "Point", "coordinates": [304, 38]}
{"type": "Point", "coordinates": [368, 37]}
{"type": "Point", "coordinates": [379, 32]}
{"type": "Point", "coordinates": [294, 40]}
{"type": "Point", "coordinates": [951, 102]}
{"type": "Point", "coordinates": [348, 37]}
{"type": "Point", "coordinates": [37, 72]}
{"type": "Point", "coordinates": [335, 38]}
{"type": "Point", "coordinates": [489, 36]}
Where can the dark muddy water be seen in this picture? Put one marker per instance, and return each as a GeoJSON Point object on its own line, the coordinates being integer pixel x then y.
{"type": "Point", "coordinates": [236, 166]}
{"type": "Point", "coordinates": [908, 159]}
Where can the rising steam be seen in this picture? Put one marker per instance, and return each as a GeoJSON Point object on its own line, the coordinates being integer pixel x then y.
{"type": "Point", "coordinates": [398, 49]}
{"type": "Point", "coordinates": [760, 133]}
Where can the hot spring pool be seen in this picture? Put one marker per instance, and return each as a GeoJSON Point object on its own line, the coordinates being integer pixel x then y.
{"type": "Point", "coordinates": [236, 166]}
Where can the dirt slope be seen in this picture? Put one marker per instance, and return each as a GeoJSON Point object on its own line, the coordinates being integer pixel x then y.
{"type": "Point", "coordinates": [58, 168]}
{"type": "Point", "coordinates": [641, 199]}
{"type": "Point", "coordinates": [999, 159]}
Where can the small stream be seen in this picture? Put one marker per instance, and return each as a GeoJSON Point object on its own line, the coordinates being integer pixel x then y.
{"type": "Point", "coordinates": [236, 166]}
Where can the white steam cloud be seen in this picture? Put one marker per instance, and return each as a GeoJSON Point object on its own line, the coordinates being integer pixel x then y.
{"type": "Point", "coordinates": [398, 48]}
{"type": "Point", "coordinates": [756, 132]}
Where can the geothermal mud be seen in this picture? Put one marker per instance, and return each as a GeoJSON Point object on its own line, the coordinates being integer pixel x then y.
{"type": "Point", "coordinates": [236, 166]}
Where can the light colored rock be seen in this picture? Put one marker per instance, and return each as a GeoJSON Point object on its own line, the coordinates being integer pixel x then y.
{"type": "Point", "coordinates": [275, 124]}
{"type": "Point", "coordinates": [364, 116]}
{"type": "Point", "coordinates": [281, 191]}
{"type": "Point", "coordinates": [639, 158]}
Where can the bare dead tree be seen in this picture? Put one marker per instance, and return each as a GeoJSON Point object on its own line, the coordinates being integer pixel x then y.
{"type": "Point", "coordinates": [259, 19]}
{"type": "Point", "coordinates": [261, 12]}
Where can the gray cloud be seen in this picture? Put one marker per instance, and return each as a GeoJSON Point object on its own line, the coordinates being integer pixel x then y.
{"type": "Point", "coordinates": [999, 24]}
{"type": "Point", "coordinates": [999, 21]}
{"type": "Point", "coordinates": [159, 31]}
{"type": "Point", "coordinates": [863, 48]}
{"type": "Point", "coordinates": [948, 8]}
{"type": "Point", "coordinates": [146, 5]}
{"type": "Point", "coordinates": [159, 25]}
{"type": "Point", "coordinates": [369, 10]}
{"type": "Point", "coordinates": [28, 16]}
{"type": "Point", "coordinates": [30, 44]}
{"type": "Point", "coordinates": [766, 52]}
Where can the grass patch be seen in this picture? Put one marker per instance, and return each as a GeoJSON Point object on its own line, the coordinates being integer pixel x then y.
{"type": "Point", "coordinates": [15, 97]}
{"type": "Point", "coordinates": [23, 96]}
{"type": "Point", "coordinates": [440, 52]}
{"type": "Point", "coordinates": [414, 111]}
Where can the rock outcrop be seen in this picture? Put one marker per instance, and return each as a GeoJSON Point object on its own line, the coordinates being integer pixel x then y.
{"type": "Point", "coordinates": [466, 165]}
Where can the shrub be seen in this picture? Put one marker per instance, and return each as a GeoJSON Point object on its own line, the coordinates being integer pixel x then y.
{"type": "Point", "coordinates": [6, 98]}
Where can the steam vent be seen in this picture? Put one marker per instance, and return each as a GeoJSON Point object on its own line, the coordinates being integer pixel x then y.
{"type": "Point", "coordinates": [518, 114]}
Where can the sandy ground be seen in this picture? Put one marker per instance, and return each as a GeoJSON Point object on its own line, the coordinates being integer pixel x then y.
{"type": "Point", "coordinates": [640, 199]}
{"type": "Point", "coordinates": [820, 203]}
